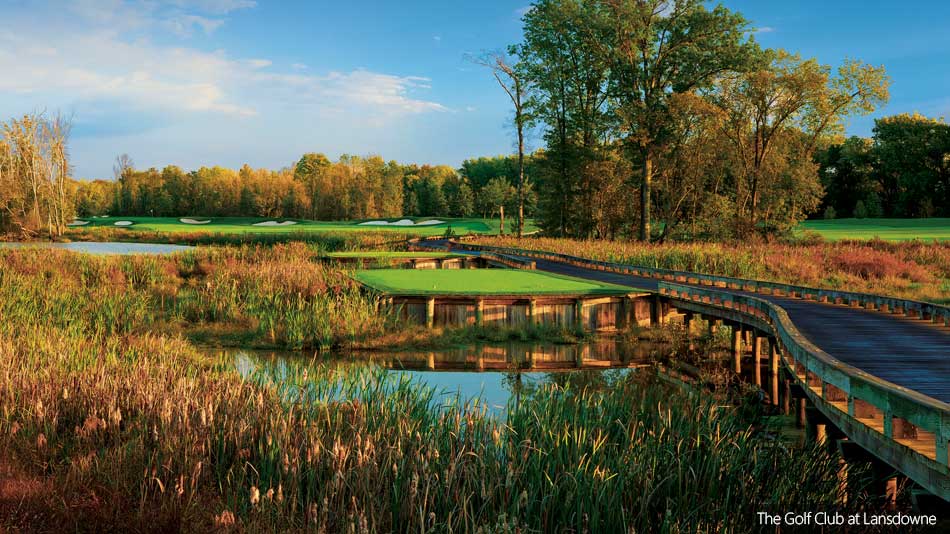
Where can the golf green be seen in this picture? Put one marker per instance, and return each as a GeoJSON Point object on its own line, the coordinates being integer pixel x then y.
{"type": "Point", "coordinates": [481, 282]}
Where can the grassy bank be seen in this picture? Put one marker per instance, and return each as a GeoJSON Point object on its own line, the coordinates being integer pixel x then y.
{"type": "Point", "coordinates": [910, 270]}
{"type": "Point", "coordinates": [884, 229]}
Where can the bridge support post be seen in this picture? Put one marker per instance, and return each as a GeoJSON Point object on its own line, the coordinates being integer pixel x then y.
{"type": "Point", "coordinates": [430, 312]}
{"type": "Point", "coordinates": [430, 361]}
{"type": "Point", "coordinates": [480, 358]}
{"type": "Point", "coordinates": [532, 309]}
{"type": "Point", "coordinates": [800, 412]}
{"type": "Point", "coordinates": [688, 325]}
{"type": "Point", "coordinates": [786, 396]}
{"type": "Point", "coordinates": [737, 348]}
{"type": "Point", "coordinates": [479, 312]}
{"type": "Point", "coordinates": [757, 358]}
{"type": "Point", "coordinates": [773, 368]}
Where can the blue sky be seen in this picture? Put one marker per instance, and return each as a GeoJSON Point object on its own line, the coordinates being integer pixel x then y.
{"type": "Point", "coordinates": [204, 82]}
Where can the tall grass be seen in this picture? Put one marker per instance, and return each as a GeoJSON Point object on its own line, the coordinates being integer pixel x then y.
{"type": "Point", "coordinates": [141, 433]}
{"type": "Point", "coordinates": [909, 269]}
{"type": "Point", "coordinates": [329, 241]}
{"type": "Point", "coordinates": [278, 294]}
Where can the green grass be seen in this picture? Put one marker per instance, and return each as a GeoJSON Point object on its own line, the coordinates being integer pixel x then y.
{"type": "Point", "coordinates": [231, 225]}
{"type": "Point", "coordinates": [389, 254]}
{"type": "Point", "coordinates": [886, 229]}
{"type": "Point", "coordinates": [480, 282]}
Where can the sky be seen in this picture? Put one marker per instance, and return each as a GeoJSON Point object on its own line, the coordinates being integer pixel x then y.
{"type": "Point", "coordinates": [228, 82]}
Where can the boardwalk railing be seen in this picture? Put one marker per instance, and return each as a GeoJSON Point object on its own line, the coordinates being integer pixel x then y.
{"type": "Point", "coordinates": [912, 308]}
{"type": "Point", "coordinates": [906, 429]}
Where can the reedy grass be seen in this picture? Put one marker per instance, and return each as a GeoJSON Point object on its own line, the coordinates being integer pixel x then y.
{"type": "Point", "coordinates": [166, 439]}
{"type": "Point", "coordinates": [913, 269]}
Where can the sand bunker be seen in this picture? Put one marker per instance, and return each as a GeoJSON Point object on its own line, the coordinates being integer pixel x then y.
{"type": "Point", "coordinates": [78, 223]}
{"type": "Point", "coordinates": [193, 221]}
{"type": "Point", "coordinates": [402, 222]}
{"type": "Point", "coordinates": [275, 223]}
{"type": "Point", "coordinates": [123, 223]}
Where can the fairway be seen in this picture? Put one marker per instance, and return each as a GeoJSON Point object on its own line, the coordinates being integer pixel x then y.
{"type": "Point", "coordinates": [481, 282]}
{"type": "Point", "coordinates": [886, 229]}
{"type": "Point", "coordinates": [259, 225]}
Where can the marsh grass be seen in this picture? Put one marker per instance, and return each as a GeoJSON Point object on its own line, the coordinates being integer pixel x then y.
{"type": "Point", "coordinates": [145, 433]}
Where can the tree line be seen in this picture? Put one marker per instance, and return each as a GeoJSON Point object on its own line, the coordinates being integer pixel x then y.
{"type": "Point", "coordinates": [666, 119]}
{"type": "Point", "coordinates": [903, 170]}
{"type": "Point", "coordinates": [315, 187]}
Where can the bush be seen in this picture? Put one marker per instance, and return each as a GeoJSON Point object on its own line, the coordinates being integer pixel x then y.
{"type": "Point", "coordinates": [830, 213]}
{"type": "Point", "coordinates": [860, 211]}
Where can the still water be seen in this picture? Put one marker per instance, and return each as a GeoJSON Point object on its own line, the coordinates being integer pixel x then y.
{"type": "Point", "coordinates": [494, 374]}
{"type": "Point", "coordinates": [105, 248]}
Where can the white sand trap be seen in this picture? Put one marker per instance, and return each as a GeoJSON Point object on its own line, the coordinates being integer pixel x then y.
{"type": "Point", "coordinates": [193, 221]}
{"type": "Point", "coordinates": [401, 222]}
{"type": "Point", "coordinates": [78, 223]}
{"type": "Point", "coordinates": [275, 223]}
{"type": "Point", "coordinates": [123, 223]}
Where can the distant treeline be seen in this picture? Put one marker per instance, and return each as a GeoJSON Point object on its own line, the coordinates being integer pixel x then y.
{"type": "Point", "coordinates": [316, 188]}
{"type": "Point", "coordinates": [902, 171]}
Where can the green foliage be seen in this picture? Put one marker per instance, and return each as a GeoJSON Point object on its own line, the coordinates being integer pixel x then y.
{"type": "Point", "coordinates": [860, 212]}
{"type": "Point", "coordinates": [830, 213]}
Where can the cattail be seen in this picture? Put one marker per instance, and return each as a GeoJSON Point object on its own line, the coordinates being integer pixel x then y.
{"type": "Point", "coordinates": [255, 495]}
{"type": "Point", "coordinates": [225, 519]}
{"type": "Point", "coordinates": [269, 495]}
{"type": "Point", "coordinates": [41, 441]}
{"type": "Point", "coordinates": [280, 493]}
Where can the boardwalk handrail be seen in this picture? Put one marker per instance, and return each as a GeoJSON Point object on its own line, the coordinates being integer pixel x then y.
{"type": "Point", "coordinates": [924, 310]}
{"type": "Point", "coordinates": [848, 390]}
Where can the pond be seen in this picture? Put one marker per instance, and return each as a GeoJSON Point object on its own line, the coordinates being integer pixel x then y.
{"type": "Point", "coordinates": [90, 247]}
{"type": "Point", "coordinates": [493, 373]}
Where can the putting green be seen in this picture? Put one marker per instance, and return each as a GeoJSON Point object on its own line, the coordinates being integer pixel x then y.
{"type": "Point", "coordinates": [481, 282]}
{"type": "Point", "coordinates": [886, 229]}
{"type": "Point", "coordinates": [385, 254]}
{"type": "Point", "coordinates": [233, 225]}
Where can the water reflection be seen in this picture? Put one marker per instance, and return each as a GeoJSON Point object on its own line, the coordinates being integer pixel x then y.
{"type": "Point", "coordinates": [494, 374]}
{"type": "Point", "coordinates": [104, 248]}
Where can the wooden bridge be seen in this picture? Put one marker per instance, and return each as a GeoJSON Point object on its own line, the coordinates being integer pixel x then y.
{"type": "Point", "coordinates": [876, 368]}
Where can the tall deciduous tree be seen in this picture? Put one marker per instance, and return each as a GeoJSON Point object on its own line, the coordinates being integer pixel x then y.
{"type": "Point", "coordinates": [513, 80]}
{"type": "Point", "coordinates": [787, 94]}
{"type": "Point", "coordinates": [663, 48]}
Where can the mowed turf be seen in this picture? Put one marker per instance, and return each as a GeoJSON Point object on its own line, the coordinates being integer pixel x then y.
{"type": "Point", "coordinates": [232, 225]}
{"type": "Point", "coordinates": [480, 282]}
{"type": "Point", "coordinates": [886, 229]}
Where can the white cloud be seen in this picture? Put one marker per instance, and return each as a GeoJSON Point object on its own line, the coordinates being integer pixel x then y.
{"type": "Point", "coordinates": [78, 65]}
{"type": "Point", "coordinates": [764, 29]}
{"type": "Point", "coordinates": [298, 66]}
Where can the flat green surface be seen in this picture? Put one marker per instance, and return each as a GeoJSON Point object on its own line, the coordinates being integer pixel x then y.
{"type": "Point", "coordinates": [383, 254]}
{"type": "Point", "coordinates": [481, 282]}
{"type": "Point", "coordinates": [230, 225]}
{"type": "Point", "coordinates": [886, 229]}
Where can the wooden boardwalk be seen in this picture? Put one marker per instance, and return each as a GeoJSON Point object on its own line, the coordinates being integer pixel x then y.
{"type": "Point", "coordinates": [908, 352]}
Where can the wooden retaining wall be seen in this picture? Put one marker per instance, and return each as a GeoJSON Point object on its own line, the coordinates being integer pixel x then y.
{"type": "Point", "coordinates": [588, 313]}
